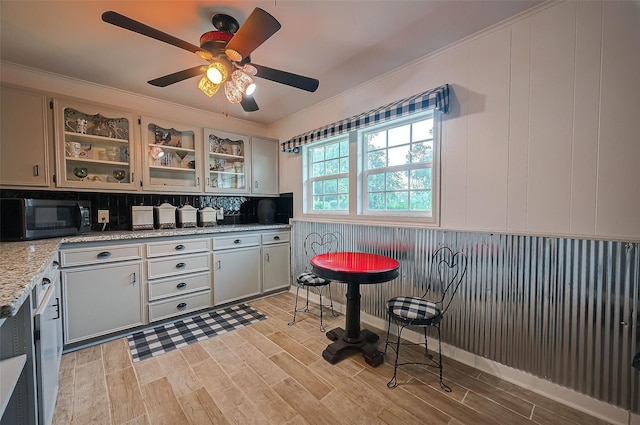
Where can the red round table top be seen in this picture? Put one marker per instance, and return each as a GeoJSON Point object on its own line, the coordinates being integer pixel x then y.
{"type": "Point", "coordinates": [356, 267]}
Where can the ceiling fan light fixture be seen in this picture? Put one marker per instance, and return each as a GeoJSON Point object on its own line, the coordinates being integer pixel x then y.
{"type": "Point", "coordinates": [217, 72]}
{"type": "Point", "coordinates": [204, 55]}
{"type": "Point", "coordinates": [233, 93]}
{"type": "Point", "coordinates": [250, 69]}
{"type": "Point", "coordinates": [243, 82]}
{"type": "Point", "coordinates": [233, 55]}
{"type": "Point", "coordinates": [208, 87]}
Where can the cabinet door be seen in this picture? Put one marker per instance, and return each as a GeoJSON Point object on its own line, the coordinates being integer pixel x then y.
{"type": "Point", "coordinates": [24, 151]}
{"type": "Point", "coordinates": [227, 161]}
{"type": "Point", "coordinates": [171, 156]}
{"type": "Point", "coordinates": [264, 166]}
{"type": "Point", "coordinates": [94, 145]}
{"type": "Point", "coordinates": [236, 274]}
{"type": "Point", "coordinates": [101, 299]}
{"type": "Point", "coordinates": [276, 260]}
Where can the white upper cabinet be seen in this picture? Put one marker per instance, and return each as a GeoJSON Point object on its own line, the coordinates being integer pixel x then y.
{"type": "Point", "coordinates": [94, 147]}
{"type": "Point", "coordinates": [171, 156]}
{"type": "Point", "coordinates": [227, 158]}
{"type": "Point", "coordinates": [264, 166]}
{"type": "Point", "coordinates": [24, 151]}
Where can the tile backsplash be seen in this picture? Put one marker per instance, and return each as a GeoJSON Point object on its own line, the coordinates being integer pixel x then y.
{"type": "Point", "coordinates": [237, 209]}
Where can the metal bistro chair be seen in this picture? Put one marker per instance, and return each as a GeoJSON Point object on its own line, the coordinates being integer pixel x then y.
{"type": "Point", "coordinates": [446, 272]}
{"type": "Point", "coordinates": [314, 244]}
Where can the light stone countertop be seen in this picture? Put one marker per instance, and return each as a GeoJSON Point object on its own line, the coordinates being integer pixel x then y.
{"type": "Point", "coordinates": [22, 264]}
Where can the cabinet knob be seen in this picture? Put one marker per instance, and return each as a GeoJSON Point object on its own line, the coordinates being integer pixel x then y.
{"type": "Point", "coordinates": [179, 247]}
{"type": "Point", "coordinates": [237, 241]}
{"type": "Point", "coordinates": [103, 255]}
{"type": "Point", "coordinates": [181, 285]}
{"type": "Point", "coordinates": [46, 281]}
{"type": "Point", "coordinates": [181, 265]}
{"type": "Point", "coordinates": [276, 238]}
{"type": "Point", "coordinates": [181, 306]}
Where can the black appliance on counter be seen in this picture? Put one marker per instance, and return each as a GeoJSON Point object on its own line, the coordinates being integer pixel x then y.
{"type": "Point", "coordinates": [27, 218]}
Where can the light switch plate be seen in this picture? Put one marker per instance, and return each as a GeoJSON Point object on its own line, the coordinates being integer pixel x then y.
{"type": "Point", "coordinates": [103, 216]}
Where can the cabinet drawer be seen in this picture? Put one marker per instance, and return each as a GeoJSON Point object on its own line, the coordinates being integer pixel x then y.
{"type": "Point", "coordinates": [237, 241]}
{"type": "Point", "coordinates": [177, 265]}
{"type": "Point", "coordinates": [177, 286]}
{"type": "Point", "coordinates": [179, 305]}
{"type": "Point", "coordinates": [275, 237]}
{"type": "Point", "coordinates": [104, 254]}
{"type": "Point", "coordinates": [159, 249]}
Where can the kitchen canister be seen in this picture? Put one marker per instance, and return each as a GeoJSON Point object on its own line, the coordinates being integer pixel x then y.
{"type": "Point", "coordinates": [141, 217]}
{"type": "Point", "coordinates": [164, 216]}
{"type": "Point", "coordinates": [186, 216]}
{"type": "Point", "coordinates": [207, 217]}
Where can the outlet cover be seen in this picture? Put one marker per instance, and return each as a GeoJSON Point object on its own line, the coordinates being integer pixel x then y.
{"type": "Point", "coordinates": [103, 216]}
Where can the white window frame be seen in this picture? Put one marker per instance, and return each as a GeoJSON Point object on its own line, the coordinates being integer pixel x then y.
{"type": "Point", "coordinates": [357, 187]}
{"type": "Point", "coordinates": [363, 172]}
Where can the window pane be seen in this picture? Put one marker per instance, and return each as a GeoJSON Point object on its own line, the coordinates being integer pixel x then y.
{"type": "Point", "coordinates": [332, 167]}
{"type": "Point", "coordinates": [376, 159]}
{"type": "Point", "coordinates": [318, 203]}
{"type": "Point", "coordinates": [318, 169]}
{"type": "Point", "coordinates": [375, 182]}
{"type": "Point", "coordinates": [397, 180]}
{"type": "Point", "coordinates": [421, 179]}
{"type": "Point", "coordinates": [399, 156]}
{"type": "Point", "coordinates": [343, 202]}
{"type": "Point", "coordinates": [399, 135]}
{"type": "Point", "coordinates": [344, 165]}
{"type": "Point", "coordinates": [376, 201]}
{"type": "Point", "coordinates": [420, 200]}
{"type": "Point", "coordinates": [422, 130]}
{"type": "Point", "coordinates": [317, 188]}
{"type": "Point", "coordinates": [376, 140]}
{"type": "Point", "coordinates": [331, 202]}
{"type": "Point", "coordinates": [343, 185]}
{"type": "Point", "coordinates": [331, 186]}
{"type": "Point", "coordinates": [344, 148]}
{"type": "Point", "coordinates": [397, 201]}
{"type": "Point", "coordinates": [422, 152]}
{"type": "Point", "coordinates": [332, 151]}
{"type": "Point", "coordinates": [317, 154]}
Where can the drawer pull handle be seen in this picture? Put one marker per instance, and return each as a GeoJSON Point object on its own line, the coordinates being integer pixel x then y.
{"type": "Point", "coordinates": [46, 281]}
{"type": "Point", "coordinates": [276, 238]}
{"type": "Point", "coordinates": [181, 265]}
{"type": "Point", "coordinates": [179, 247]}
{"type": "Point", "coordinates": [181, 285]}
{"type": "Point", "coordinates": [103, 255]}
{"type": "Point", "coordinates": [55, 263]}
{"type": "Point", "coordinates": [57, 306]}
{"type": "Point", "coordinates": [181, 306]}
{"type": "Point", "coordinates": [237, 241]}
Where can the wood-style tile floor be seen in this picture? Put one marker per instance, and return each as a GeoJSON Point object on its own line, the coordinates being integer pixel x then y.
{"type": "Point", "coordinates": [271, 373]}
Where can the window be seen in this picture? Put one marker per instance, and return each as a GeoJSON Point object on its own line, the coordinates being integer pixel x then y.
{"type": "Point", "coordinates": [327, 165]}
{"type": "Point", "coordinates": [390, 171]}
{"type": "Point", "coordinates": [397, 168]}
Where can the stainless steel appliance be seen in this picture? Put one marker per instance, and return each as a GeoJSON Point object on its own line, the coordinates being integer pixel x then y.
{"type": "Point", "coordinates": [25, 218]}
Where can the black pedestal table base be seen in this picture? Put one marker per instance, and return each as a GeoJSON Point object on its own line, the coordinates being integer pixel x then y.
{"type": "Point", "coordinates": [340, 347]}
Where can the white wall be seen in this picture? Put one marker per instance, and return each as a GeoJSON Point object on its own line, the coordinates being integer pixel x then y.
{"type": "Point", "coordinates": [543, 132]}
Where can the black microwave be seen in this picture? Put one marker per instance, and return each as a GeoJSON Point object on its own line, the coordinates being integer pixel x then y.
{"type": "Point", "coordinates": [27, 219]}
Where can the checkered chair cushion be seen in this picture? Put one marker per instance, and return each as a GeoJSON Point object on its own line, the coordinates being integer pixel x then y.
{"type": "Point", "coordinates": [310, 279]}
{"type": "Point", "coordinates": [414, 311]}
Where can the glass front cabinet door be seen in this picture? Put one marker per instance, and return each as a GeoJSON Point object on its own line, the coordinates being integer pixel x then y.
{"type": "Point", "coordinates": [171, 156]}
{"type": "Point", "coordinates": [94, 147]}
{"type": "Point", "coordinates": [227, 162]}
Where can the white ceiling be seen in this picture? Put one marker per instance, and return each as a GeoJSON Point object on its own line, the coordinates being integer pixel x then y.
{"type": "Point", "coordinates": [341, 43]}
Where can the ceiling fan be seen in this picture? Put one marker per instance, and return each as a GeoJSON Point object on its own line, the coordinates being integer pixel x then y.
{"type": "Point", "coordinates": [227, 51]}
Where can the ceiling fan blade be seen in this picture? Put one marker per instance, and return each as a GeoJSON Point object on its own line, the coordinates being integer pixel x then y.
{"type": "Point", "coordinates": [122, 21]}
{"type": "Point", "coordinates": [176, 77]}
{"type": "Point", "coordinates": [287, 78]}
{"type": "Point", "coordinates": [258, 27]}
{"type": "Point", "coordinates": [249, 104]}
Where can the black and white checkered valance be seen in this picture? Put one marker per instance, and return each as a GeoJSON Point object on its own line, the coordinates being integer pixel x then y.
{"type": "Point", "coordinates": [437, 98]}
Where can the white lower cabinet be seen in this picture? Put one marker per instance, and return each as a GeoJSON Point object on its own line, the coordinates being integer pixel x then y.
{"type": "Point", "coordinates": [100, 299]}
{"type": "Point", "coordinates": [236, 267]}
{"type": "Point", "coordinates": [276, 261]}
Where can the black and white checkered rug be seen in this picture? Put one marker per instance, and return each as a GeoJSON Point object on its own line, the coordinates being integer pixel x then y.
{"type": "Point", "coordinates": [161, 339]}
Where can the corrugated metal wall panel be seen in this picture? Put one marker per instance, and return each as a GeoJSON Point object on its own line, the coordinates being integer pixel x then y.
{"type": "Point", "coordinates": [565, 310]}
